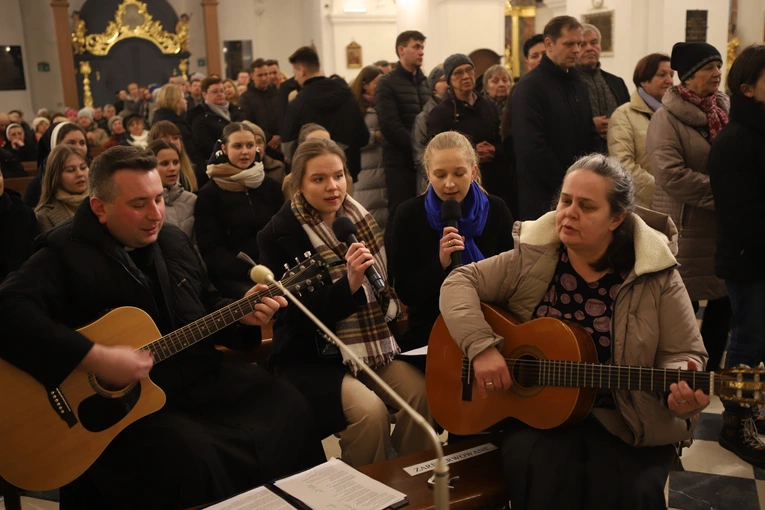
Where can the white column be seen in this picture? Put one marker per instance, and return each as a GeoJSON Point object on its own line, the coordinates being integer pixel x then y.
{"type": "Point", "coordinates": [546, 11]}
{"type": "Point", "coordinates": [751, 14]}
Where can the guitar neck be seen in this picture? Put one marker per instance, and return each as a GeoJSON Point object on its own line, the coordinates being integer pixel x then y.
{"type": "Point", "coordinates": [200, 329]}
{"type": "Point", "coordinates": [593, 375]}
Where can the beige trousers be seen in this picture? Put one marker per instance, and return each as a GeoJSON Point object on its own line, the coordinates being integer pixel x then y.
{"type": "Point", "coordinates": [367, 439]}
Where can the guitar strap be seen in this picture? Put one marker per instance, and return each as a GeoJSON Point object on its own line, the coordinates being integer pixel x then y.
{"type": "Point", "coordinates": [164, 284]}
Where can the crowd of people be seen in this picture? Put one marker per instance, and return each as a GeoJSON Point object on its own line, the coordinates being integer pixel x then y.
{"type": "Point", "coordinates": [634, 209]}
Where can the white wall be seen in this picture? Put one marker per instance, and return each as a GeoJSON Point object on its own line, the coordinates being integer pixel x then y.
{"type": "Point", "coordinates": [12, 34]}
{"type": "Point", "coordinates": [462, 26]}
{"type": "Point", "coordinates": [749, 29]}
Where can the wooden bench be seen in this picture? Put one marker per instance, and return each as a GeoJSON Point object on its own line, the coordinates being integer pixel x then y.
{"type": "Point", "coordinates": [17, 184]}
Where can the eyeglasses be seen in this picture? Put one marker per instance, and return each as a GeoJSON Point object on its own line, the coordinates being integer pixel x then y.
{"type": "Point", "coordinates": [461, 72]}
{"type": "Point", "coordinates": [215, 92]}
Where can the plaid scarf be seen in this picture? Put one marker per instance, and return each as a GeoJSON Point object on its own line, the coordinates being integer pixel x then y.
{"type": "Point", "coordinates": [716, 118]}
{"type": "Point", "coordinates": [366, 331]}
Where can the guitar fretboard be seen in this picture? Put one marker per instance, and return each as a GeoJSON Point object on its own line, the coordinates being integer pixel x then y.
{"type": "Point", "coordinates": [200, 329]}
{"type": "Point", "coordinates": [593, 375]}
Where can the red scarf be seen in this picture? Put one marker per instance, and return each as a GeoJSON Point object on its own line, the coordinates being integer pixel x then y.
{"type": "Point", "coordinates": [716, 118]}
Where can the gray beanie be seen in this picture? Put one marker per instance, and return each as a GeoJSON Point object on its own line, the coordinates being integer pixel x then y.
{"type": "Point", "coordinates": [113, 120]}
{"type": "Point", "coordinates": [454, 61]}
{"type": "Point", "coordinates": [435, 74]}
{"type": "Point", "coordinates": [86, 112]}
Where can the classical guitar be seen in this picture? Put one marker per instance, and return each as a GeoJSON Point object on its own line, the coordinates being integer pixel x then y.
{"type": "Point", "coordinates": [50, 436]}
{"type": "Point", "coordinates": [555, 372]}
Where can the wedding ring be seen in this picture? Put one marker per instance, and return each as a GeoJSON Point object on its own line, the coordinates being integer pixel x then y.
{"type": "Point", "coordinates": [450, 242]}
{"type": "Point", "coordinates": [489, 383]}
{"type": "Point", "coordinates": [681, 402]}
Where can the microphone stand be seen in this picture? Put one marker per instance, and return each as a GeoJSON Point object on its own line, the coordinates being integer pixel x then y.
{"type": "Point", "coordinates": [261, 274]}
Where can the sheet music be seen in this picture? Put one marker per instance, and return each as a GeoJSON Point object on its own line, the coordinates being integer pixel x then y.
{"type": "Point", "coordinates": [256, 499]}
{"type": "Point", "coordinates": [335, 485]}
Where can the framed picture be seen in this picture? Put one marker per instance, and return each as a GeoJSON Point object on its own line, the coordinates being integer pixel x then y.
{"type": "Point", "coordinates": [353, 56]}
{"type": "Point", "coordinates": [604, 20]}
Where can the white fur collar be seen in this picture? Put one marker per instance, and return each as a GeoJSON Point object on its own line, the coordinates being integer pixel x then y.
{"type": "Point", "coordinates": [652, 251]}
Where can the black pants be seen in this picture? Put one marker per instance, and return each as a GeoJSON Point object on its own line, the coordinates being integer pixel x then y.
{"type": "Point", "coordinates": [582, 467]}
{"type": "Point", "coordinates": [714, 329]}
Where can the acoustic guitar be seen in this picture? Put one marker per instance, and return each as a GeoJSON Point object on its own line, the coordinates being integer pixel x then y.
{"type": "Point", "coordinates": [50, 436]}
{"type": "Point", "coordinates": [555, 372]}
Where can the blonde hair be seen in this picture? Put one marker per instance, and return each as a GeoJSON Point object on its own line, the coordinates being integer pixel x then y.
{"type": "Point", "coordinates": [308, 150]}
{"type": "Point", "coordinates": [168, 97]}
{"type": "Point", "coordinates": [166, 128]}
{"type": "Point", "coordinates": [54, 167]}
{"type": "Point", "coordinates": [236, 90]}
{"type": "Point", "coordinates": [451, 140]}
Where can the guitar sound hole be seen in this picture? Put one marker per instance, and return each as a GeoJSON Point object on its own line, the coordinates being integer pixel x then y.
{"type": "Point", "coordinates": [110, 387]}
{"type": "Point", "coordinates": [524, 373]}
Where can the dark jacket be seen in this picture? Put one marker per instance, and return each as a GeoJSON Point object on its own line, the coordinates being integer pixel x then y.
{"type": "Point", "coordinates": [261, 107]}
{"type": "Point", "coordinates": [617, 86]}
{"type": "Point", "coordinates": [399, 97]}
{"type": "Point", "coordinates": [41, 304]}
{"type": "Point", "coordinates": [26, 153]}
{"type": "Point", "coordinates": [10, 164]}
{"type": "Point", "coordinates": [414, 258]}
{"type": "Point", "coordinates": [285, 89]}
{"type": "Point", "coordinates": [198, 159]}
{"type": "Point", "coordinates": [207, 127]}
{"type": "Point", "coordinates": [18, 228]}
{"type": "Point", "coordinates": [295, 355]}
{"type": "Point", "coordinates": [226, 223]}
{"type": "Point", "coordinates": [737, 174]}
{"type": "Point", "coordinates": [552, 126]}
{"type": "Point", "coordinates": [331, 104]}
{"type": "Point", "coordinates": [480, 123]}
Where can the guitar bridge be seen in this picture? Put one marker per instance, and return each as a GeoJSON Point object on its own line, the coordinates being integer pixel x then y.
{"type": "Point", "coordinates": [467, 380]}
{"type": "Point", "coordinates": [60, 405]}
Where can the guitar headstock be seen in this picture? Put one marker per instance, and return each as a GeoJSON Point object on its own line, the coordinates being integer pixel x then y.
{"type": "Point", "coordinates": [307, 275]}
{"type": "Point", "coordinates": [742, 385]}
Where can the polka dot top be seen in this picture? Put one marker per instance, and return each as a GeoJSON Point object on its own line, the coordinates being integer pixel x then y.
{"type": "Point", "coordinates": [591, 305]}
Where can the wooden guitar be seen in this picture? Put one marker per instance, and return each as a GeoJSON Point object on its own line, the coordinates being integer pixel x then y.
{"type": "Point", "coordinates": [555, 372]}
{"type": "Point", "coordinates": [50, 436]}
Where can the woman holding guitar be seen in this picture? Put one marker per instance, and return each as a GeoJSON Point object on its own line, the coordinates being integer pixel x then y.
{"type": "Point", "coordinates": [597, 263]}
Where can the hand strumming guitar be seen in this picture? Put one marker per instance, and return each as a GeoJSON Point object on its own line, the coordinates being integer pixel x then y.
{"type": "Point", "coordinates": [116, 366]}
{"type": "Point", "coordinates": [265, 309]}
{"type": "Point", "coordinates": [491, 372]}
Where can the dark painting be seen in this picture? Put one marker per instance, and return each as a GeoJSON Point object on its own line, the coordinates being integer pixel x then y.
{"type": "Point", "coordinates": [11, 68]}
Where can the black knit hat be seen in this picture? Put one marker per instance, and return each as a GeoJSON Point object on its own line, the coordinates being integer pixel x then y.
{"type": "Point", "coordinates": [452, 62]}
{"type": "Point", "coordinates": [689, 57]}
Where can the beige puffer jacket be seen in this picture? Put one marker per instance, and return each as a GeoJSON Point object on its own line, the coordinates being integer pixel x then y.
{"type": "Point", "coordinates": [678, 155]}
{"type": "Point", "coordinates": [626, 142]}
{"type": "Point", "coordinates": [653, 322]}
{"type": "Point", "coordinates": [179, 209]}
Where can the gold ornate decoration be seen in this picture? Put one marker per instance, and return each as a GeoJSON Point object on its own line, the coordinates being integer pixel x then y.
{"type": "Point", "coordinates": [516, 10]}
{"type": "Point", "coordinates": [85, 70]}
{"type": "Point", "coordinates": [732, 45]}
{"type": "Point", "coordinates": [184, 68]}
{"type": "Point", "coordinates": [78, 33]}
{"type": "Point", "coordinates": [509, 59]}
{"type": "Point", "coordinates": [132, 19]}
{"type": "Point", "coordinates": [353, 55]}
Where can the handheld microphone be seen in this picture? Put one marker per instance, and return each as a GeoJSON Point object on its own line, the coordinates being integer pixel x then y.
{"type": "Point", "coordinates": [451, 214]}
{"type": "Point", "coordinates": [345, 231]}
{"type": "Point", "coordinates": [261, 274]}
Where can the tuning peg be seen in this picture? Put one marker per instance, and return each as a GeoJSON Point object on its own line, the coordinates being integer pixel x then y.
{"type": "Point", "coordinates": [307, 254]}
{"type": "Point", "coordinates": [297, 260]}
{"type": "Point", "coordinates": [310, 288]}
{"type": "Point", "coordinates": [286, 266]}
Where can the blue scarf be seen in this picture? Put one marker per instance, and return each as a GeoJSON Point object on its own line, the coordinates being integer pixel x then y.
{"type": "Point", "coordinates": [475, 210]}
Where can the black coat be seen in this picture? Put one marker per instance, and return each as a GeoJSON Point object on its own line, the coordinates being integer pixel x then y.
{"type": "Point", "coordinates": [332, 105]}
{"type": "Point", "coordinates": [220, 419]}
{"type": "Point", "coordinates": [197, 159]}
{"type": "Point", "coordinates": [617, 86]}
{"type": "Point", "coordinates": [261, 107]}
{"type": "Point", "coordinates": [737, 174]}
{"type": "Point", "coordinates": [552, 127]}
{"type": "Point", "coordinates": [399, 97]}
{"type": "Point", "coordinates": [414, 258]}
{"type": "Point", "coordinates": [286, 87]}
{"type": "Point", "coordinates": [18, 228]}
{"type": "Point", "coordinates": [228, 222]}
{"type": "Point", "coordinates": [207, 127]}
{"type": "Point", "coordinates": [480, 123]}
{"type": "Point", "coordinates": [295, 355]}
{"type": "Point", "coordinates": [10, 164]}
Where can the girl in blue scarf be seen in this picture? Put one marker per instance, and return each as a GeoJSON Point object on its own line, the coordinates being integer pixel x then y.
{"type": "Point", "coordinates": [422, 244]}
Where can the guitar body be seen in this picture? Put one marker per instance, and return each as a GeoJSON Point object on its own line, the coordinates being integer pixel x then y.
{"type": "Point", "coordinates": [49, 439]}
{"type": "Point", "coordinates": [453, 393]}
